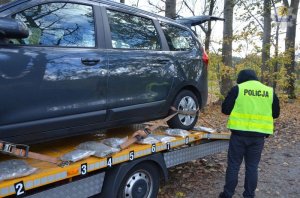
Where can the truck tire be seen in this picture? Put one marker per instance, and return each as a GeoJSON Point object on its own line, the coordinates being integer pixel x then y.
{"type": "Point", "coordinates": [142, 181]}
{"type": "Point", "coordinates": [185, 100]}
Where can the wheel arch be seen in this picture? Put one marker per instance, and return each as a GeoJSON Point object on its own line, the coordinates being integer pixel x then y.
{"type": "Point", "coordinates": [194, 90]}
{"type": "Point", "coordinates": [115, 175]}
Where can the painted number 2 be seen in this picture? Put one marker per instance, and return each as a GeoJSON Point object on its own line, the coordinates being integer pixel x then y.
{"type": "Point", "coordinates": [19, 188]}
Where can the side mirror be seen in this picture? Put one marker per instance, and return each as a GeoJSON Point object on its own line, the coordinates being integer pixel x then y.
{"type": "Point", "coordinates": [12, 28]}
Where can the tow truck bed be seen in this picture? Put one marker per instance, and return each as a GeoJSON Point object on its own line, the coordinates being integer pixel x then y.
{"type": "Point", "coordinates": [85, 178]}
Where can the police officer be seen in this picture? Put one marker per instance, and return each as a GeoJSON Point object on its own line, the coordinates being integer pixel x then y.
{"type": "Point", "coordinates": [251, 107]}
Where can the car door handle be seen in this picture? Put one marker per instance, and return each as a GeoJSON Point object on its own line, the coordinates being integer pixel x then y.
{"type": "Point", "coordinates": [90, 61]}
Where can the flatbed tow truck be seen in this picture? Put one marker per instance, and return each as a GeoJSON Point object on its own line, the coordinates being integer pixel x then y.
{"type": "Point", "coordinates": [132, 172]}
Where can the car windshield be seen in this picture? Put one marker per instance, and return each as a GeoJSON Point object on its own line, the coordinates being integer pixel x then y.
{"type": "Point", "coordinates": [4, 2]}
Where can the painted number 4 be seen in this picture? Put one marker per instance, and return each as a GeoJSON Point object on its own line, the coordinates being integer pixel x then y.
{"type": "Point", "coordinates": [109, 161]}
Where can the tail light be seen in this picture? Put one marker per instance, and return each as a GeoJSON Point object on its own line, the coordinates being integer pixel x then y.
{"type": "Point", "coordinates": [205, 57]}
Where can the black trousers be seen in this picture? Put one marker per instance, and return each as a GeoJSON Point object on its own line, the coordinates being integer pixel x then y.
{"type": "Point", "coordinates": [249, 149]}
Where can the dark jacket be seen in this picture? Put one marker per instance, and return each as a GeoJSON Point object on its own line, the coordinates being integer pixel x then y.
{"type": "Point", "coordinates": [228, 104]}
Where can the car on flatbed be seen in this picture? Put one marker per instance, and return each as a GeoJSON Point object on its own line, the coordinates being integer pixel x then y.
{"type": "Point", "coordinates": [69, 67]}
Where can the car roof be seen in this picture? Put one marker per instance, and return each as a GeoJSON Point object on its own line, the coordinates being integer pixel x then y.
{"type": "Point", "coordinates": [107, 2]}
{"type": "Point", "coordinates": [184, 22]}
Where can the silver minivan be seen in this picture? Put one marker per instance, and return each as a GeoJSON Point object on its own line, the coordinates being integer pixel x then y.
{"type": "Point", "coordinates": [69, 67]}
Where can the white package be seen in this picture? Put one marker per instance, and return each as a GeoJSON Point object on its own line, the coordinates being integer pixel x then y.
{"type": "Point", "coordinates": [164, 138]}
{"type": "Point", "coordinates": [101, 150]}
{"type": "Point", "coordinates": [148, 140]}
{"type": "Point", "coordinates": [11, 169]}
{"type": "Point", "coordinates": [114, 142]}
{"type": "Point", "coordinates": [177, 132]}
{"type": "Point", "coordinates": [77, 155]}
{"type": "Point", "coordinates": [205, 129]}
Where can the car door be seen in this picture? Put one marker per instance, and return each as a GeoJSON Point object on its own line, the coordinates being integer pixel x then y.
{"type": "Point", "coordinates": [57, 77]}
{"type": "Point", "coordinates": [140, 72]}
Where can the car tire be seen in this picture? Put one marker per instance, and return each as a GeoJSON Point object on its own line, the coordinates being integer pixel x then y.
{"type": "Point", "coordinates": [140, 182]}
{"type": "Point", "coordinates": [185, 100]}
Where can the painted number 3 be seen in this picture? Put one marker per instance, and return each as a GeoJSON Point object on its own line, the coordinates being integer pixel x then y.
{"type": "Point", "coordinates": [83, 169]}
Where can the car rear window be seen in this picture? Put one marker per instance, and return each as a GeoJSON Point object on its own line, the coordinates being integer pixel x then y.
{"type": "Point", "coordinates": [132, 32]}
{"type": "Point", "coordinates": [178, 39]}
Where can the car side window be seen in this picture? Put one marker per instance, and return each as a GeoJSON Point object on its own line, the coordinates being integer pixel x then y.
{"type": "Point", "coordinates": [177, 38]}
{"type": "Point", "coordinates": [58, 24]}
{"type": "Point", "coordinates": [132, 32]}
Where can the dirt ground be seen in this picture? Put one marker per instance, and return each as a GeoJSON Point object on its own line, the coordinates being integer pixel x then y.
{"type": "Point", "coordinates": [279, 169]}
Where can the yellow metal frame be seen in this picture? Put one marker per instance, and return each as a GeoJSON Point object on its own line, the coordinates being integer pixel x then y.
{"type": "Point", "coordinates": [48, 173]}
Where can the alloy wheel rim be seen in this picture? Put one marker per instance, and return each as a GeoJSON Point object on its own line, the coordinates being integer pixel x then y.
{"type": "Point", "coordinates": [187, 103]}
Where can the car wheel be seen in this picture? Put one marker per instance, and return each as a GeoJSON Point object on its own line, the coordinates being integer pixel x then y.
{"type": "Point", "coordinates": [142, 181]}
{"type": "Point", "coordinates": [184, 101]}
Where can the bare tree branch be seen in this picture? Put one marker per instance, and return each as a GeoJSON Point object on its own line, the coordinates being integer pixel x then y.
{"type": "Point", "coordinates": [205, 7]}
{"type": "Point", "coordinates": [179, 10]}
{"type": "Point", "coordinates": [190, 9]}
{"type": "Point", "coordinates": [156, 6]}
{"type": "Point", "coordinates": [246, 7]}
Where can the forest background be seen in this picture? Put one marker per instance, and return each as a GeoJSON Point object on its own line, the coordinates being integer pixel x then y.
{"type": "Point", "coordinates": [257, 34]}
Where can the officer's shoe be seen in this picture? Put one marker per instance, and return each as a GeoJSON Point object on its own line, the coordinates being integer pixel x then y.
{"type": "Point", "coordinates": [222, 195]}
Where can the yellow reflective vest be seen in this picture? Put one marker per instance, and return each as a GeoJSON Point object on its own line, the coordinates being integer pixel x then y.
{"type": "Point", "coordinates": [252, 111]}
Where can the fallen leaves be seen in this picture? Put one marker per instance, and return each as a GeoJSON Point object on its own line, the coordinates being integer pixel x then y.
{"type": "Point", "coordinates": [205, 177]}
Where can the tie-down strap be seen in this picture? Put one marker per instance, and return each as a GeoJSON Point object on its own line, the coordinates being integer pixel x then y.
{"type": "Point", "coordinates": [150, 129]}
{"type": "Point", "coordinates": [22, 150]}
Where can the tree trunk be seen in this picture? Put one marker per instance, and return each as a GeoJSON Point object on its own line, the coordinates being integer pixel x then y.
{"type": "Point", "coordinates": [208, 33]}
{"type": "Point", "coordinates": [290, 50]}
{"type": "Point", "coordinates": [276, 57]}
{"type": "Point", "coordinates": [226, 82]}
{"type": "Point", "coordinates": [171, 9]}
{"type": "Point", "coordinates": [265, 55]}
